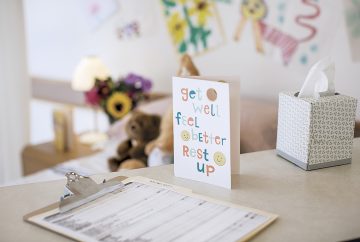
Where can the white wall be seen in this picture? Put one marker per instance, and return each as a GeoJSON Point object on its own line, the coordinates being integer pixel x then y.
{"type": "Point", "coordinates": [14, 89]}
{"type": "Point", "coordinates": [58, 36]}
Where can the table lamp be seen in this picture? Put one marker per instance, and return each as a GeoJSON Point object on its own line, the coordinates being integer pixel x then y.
{"type": "Point", "coordinates": [87, 71]}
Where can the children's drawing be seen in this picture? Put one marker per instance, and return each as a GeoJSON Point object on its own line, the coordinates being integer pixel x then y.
{"type": "Point", "coordinates": [286, 42]}
{"type": "Point", "coordinates": [253, 11]}
{"type": "Point", "coordinates": [98, 11]}
{"type": "Point", "coordinates": [194, 26]}
{"type": "Point", "coordinates": [256, 11]}
{"type": "Point", "coordinates": [135, 20]}
{"type": "Point", "coordinates": [129, 30]}
{"type": "Point", "coordinates": [352, 17]}
{"type": "Point", "coordinates": [224, 1]}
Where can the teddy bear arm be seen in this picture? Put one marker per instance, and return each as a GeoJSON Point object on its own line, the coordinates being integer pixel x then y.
{"type": "Point", "coordinates": [137, 152]}
{"type": "Point", "coordinates": [114, 163]}
{"type": "Point", "coordinates": [132, 164]}
{"type": "Point", "coordinates": [124, 147]}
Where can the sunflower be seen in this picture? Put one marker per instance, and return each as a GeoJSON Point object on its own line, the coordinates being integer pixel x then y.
{"type": "Point", "coordinates": [176, 26]}
{"type": "Point", "coordinates": [118, 105]}
{"type": "Point", "coordinates": [202, 9]}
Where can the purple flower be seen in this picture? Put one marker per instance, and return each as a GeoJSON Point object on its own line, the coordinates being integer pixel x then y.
{"type": "Point", "coordinates": [138, 82]}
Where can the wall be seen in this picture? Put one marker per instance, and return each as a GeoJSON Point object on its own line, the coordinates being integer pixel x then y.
{"type": "Point", "coordinates": [14, 91]}
{"type": "Point", "coordinates": [59, 35]}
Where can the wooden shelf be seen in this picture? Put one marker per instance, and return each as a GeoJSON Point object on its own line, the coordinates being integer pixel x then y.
{"type": "Point", "coordinates": [42, 156]}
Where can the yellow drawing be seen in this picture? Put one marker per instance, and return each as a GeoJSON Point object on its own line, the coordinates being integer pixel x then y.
{"type": "Point", "coordinates": [176, 26]}
{"type": "Point", "coordinates": [194, 25]}
{"type": "Point", "coordinates": [185, 135]}
{"type": "Point", "coordinates": [203, 10]}
{"type": "Point", "coordinates": [219, 158]}
{"type": "Point", "coordinates": [254, 11]}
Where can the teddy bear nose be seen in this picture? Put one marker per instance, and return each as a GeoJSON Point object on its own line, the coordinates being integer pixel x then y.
{"type": "Point", "coordinates": [133, 127]}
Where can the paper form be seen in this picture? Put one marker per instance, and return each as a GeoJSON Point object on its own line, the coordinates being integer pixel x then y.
{"type": "Point", "coordinates": [146, 212]}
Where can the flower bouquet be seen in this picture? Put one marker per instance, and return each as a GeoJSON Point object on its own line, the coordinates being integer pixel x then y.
{"type": "Point", "coordinates": [117, 98]}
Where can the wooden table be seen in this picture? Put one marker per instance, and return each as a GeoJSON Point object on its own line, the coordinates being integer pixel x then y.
{"type": "Point", "coordinates": [319, 205]}
{"type": "Point", "coordinates": [42, 156]}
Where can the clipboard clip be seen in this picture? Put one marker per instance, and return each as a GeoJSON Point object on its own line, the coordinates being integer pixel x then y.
{"type": "Point", "coordinates": [80, 190]}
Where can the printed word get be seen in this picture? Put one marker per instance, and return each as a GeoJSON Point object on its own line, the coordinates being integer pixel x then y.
{"type": "Point", "coordinates": [192, 94]}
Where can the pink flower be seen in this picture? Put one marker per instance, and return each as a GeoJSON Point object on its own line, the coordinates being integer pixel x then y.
{"type": "Point", "coordinates": [92, 97]}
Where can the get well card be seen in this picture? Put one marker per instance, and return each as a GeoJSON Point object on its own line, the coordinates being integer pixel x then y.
{"type": "Point", "coordinates": [206, 117]}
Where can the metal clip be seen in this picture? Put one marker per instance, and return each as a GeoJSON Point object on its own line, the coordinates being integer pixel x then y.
{"type": "Point", "coordinates": [82, 189]}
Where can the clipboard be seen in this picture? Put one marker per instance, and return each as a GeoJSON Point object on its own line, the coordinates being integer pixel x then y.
{"type": "Point", "coordinates": [186, 192]}
{"type": "Point", "coordinates": [55, 205]}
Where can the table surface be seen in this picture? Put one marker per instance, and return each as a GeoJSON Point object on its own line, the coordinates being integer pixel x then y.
{"type": "Point", "coordinates": [319, 205]}
{"type": "Point", "coordinates": [42, 156]}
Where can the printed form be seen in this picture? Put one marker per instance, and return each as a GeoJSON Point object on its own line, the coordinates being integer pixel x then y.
{"type": "Point", "coordinates": [142, 211]}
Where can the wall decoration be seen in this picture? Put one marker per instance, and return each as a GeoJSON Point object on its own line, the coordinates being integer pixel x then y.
{"type": "Point", "coordinates": [224, 1]}
{"type": "Point", "coordinates": [287, 43]}
{"type": "Point", "coordinates": [292, 28]}
{"type": "Point", "coordinates": [253, 11]}
{"type": "Point", "coordinates": [352, 18]}
{"type": "Point", "coordinates": [98, 11]}
{"type": "Point", "coordinates": [135, 20]}
{"type": "Point", "coordinates": [194, 26]}
{"type": "Point", "coordinates": [129, 30]}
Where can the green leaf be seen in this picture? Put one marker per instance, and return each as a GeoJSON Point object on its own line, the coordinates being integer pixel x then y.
{"type": "Point", "coordinates": [204, 34]}
{"type": "Point", "coordinates": [182, 47]}
{"type": "Point", "coordinates": [355, 32]}
{"type": "Point", "coordinates": [169, 3]}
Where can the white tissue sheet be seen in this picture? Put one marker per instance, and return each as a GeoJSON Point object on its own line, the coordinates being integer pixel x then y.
{"type": "Point", "coordinates": [320, 80]}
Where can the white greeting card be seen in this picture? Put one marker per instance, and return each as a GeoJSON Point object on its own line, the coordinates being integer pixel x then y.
{"type": "Point", "coordinates": [206, 117]}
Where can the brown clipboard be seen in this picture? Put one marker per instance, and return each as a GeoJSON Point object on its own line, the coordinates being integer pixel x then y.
{"type": "Point", "coordinates": [54, 206]}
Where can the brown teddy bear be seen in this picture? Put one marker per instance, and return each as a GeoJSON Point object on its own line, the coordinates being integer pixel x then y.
{"type": "Point", "coordinates": [141, 129]}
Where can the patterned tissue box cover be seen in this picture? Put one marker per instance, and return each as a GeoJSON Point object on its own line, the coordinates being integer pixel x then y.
{"type": "Point", "coordinates": [316, 133]}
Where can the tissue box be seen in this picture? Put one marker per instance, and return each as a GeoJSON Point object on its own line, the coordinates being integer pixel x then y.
{"type": "Point", "coordinates": [316, 133]}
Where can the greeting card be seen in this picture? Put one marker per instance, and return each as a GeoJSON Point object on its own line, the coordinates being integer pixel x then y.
{"type": "Point", "coordinates": [206, 117]}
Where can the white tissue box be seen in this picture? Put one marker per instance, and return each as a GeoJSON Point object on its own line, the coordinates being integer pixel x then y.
{"type": "Point", "coordinates": [316, 133]}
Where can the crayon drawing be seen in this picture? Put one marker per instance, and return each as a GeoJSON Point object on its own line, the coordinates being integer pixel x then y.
{"type": "Point", "coordinates": [292, 30]}
{"type": "Point", "coordinates": [135, 20]}
{"type": "Point", "coordinates": [194, 26]}
{"type": "Point", "coordinates": [99, 11]}
{"type": "Point", "coordinates": [129, 30]}
{"type": "Point", "coordinates": [352, 17]}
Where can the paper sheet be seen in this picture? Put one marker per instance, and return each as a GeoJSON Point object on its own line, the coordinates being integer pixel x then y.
{"type": "Point", "coordinates": [146, 211]}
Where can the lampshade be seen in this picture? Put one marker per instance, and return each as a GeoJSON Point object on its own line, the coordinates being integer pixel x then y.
{"type": "Point", "coordinates": [87, 71]}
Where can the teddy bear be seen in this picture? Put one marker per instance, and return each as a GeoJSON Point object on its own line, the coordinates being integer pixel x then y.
{"type": "Point", "coordinates": [141, 129]}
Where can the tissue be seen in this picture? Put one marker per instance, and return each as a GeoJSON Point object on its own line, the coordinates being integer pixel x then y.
{"type": "Point", "coordinates": [320, 80]}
